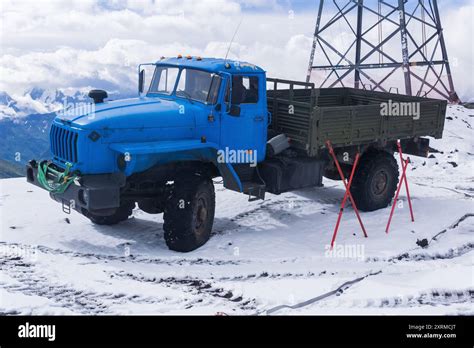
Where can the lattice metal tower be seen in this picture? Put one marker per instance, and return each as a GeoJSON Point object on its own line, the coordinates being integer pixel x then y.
{"type": "Point", "coordinates": [380, 45]}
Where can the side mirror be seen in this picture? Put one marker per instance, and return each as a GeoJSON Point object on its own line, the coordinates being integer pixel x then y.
{"type": "Point", "coordinates": [234, 110]}
{"type": "Point", "coordinates": [141, 80]}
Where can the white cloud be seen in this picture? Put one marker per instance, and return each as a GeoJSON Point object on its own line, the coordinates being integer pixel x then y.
{"type": "Point", "coordinates": [458, 33]}
{"type": "Point", "coordinates": [59, 44]}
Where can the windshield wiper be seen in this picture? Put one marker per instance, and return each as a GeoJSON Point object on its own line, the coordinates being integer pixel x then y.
{"type": "Point", "coordinates": [187, 95]}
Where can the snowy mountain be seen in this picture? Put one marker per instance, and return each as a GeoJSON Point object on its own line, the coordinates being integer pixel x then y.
{"type": "Point", "coordinates": [25, 121]}
{"type": "Point", "coordinates": [8, 106]}
{"type": "Point", "coordinates": [38, 101]}
{"type": "Point", "coordinates": [51, 98]}
{"type": "Point", "coordinates": [265, 257]}
{"type": "Point", "coordinates": [24, 138]}
{"type": "Point", "coordinates": [10, 169]}
{"type": "Point", "coordinates": [24, 124]}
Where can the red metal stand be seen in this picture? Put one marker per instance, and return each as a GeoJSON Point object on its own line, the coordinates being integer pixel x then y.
{"type": "Point", "coordinates": [402, 179]}
{"type": "Point", "coordinates": [347, 194]}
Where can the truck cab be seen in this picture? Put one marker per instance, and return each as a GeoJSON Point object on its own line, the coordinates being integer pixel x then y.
{"type": "Point", "coordinates": [226, 100]}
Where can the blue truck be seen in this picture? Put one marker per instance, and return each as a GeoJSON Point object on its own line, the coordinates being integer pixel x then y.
{"type": "Point", "coordinates": [198, 119]}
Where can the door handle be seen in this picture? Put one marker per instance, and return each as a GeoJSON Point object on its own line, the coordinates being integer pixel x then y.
{"type": "Point", "coordinates": [258, 118]}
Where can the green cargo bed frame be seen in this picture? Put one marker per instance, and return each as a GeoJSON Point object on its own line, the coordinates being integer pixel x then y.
{"type": "Point", "coordinates": [310, 116]}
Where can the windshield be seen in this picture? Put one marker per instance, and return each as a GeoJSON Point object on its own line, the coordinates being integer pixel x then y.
{"type": "Point", "coordinates": [193, 84]}
{"type": "Point", "coordinates": [164, 80]}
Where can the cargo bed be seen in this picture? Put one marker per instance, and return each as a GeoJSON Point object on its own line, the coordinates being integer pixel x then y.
{"type": "Point", "coordinates": [345, 116]}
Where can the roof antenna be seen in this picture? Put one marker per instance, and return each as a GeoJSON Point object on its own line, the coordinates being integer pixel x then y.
{"type": "Point", "coordinates": [233, 37]}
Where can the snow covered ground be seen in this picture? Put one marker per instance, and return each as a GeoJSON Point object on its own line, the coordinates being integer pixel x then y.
{"type": "Point", "coordinates": [262, 254]}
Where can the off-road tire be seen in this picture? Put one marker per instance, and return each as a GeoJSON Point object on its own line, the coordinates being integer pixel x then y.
{"type": "Point", "coordinates": [189, 213]}
{"type": "Point", "coordinates": [121, 214]}
{"type": "Point", "coordinates": [375, 181]}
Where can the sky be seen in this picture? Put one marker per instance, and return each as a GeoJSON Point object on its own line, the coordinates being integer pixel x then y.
{"type": "Point", "coordinates": [81, 44]}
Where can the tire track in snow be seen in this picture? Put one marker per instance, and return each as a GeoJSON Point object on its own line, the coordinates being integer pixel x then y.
{"type": "Point", "coordinates": [257, 214]}
{"type": "Point", "coordinates": [92, 258]}
{"type": "Point", "coordinates": [131, 258]}
{"type": "Point", "coordinates": [209, 287]}
{"type": "Point", "coordinates": [78, 301]}
{"type": "Point", "coordinates": [467, 195]}
{"type": "Point", "coordinates": [273, 276]}
{"type": "Point", "coordinates": [241, 277]}
{"type": "Point", "coordinates": [450, 254]}
{"type": "Point", "coordinates": [196, 287]}
{"type": "Point", "coordinates": [266, 207]}
{"type": "Point", "coordinates": [433, 297]}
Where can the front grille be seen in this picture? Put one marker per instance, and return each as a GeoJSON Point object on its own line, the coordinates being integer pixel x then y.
{"type": "Point", "coordinates": [63, 143]}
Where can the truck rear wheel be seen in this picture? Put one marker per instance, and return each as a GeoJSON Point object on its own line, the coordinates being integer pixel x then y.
{"type": "Point", "coordinates": [121, 214]}
{"type": "Point", "coordinates": [375, 181]}
{"type": "Point", "coordinates": [189, 213]}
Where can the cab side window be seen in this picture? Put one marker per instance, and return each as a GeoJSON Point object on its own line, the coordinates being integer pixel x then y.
{"type": "Point", "coordinates": [244, 90]}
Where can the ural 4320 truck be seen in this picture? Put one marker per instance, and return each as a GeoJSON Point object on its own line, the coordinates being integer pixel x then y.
{"type": "Point", "coordinates": [202, 118]}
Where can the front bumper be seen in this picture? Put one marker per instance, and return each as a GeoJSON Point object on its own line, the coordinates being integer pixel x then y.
{"type": "Point", "coordinates": [98, 193]}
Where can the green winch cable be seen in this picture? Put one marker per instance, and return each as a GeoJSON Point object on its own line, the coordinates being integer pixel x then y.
{"type": "Point", "coordinates": [64, 179]}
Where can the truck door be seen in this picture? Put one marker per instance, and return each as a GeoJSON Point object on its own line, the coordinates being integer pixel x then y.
{"type": "Point", "coordinates": [244, 118]}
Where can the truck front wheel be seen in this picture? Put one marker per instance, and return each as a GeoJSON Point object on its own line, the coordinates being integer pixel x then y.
{"type": "Point", "coordinates": [375, 181]}
{"type": "Point", "coordinates": [189, 213]}
{"type": "Point", "coordinates": [121, 214]}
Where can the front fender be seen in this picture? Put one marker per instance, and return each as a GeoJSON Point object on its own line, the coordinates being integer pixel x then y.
{"type": "Point", "coordinates": [142, 156]}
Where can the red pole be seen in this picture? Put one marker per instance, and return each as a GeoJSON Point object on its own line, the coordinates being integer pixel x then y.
{"type": "Point", "coordinates": [403, 178]}
{"type": "Point", "coordinates": [404, 167]}
{"type": "Point", "coordinates": [347, 194]}
{"type": "Point", "coordinates": [341, 174]}
{"type": "Point", "coordinates": [344, 200]}
{"type": "Point", "coordinates": [406, 180]}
